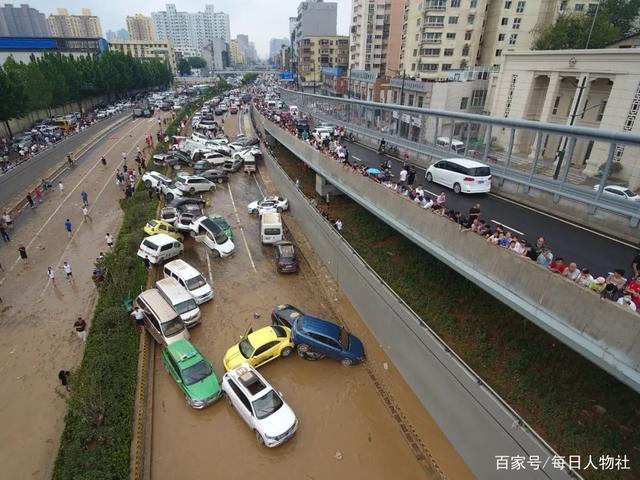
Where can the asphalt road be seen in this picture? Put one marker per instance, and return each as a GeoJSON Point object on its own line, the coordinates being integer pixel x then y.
{"type": "Point", "coordinates": [16, 181]}
{"type": "Point", "coordinates": [587, 248]}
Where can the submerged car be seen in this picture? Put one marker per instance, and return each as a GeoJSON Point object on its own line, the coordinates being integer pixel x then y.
{"type": "Point", "coordinates": [285, 315]}
{"type": "Point", "coordinates": [268, 204]}
{"type": "Point", "coordinates": [260, 347]}
{"type": "Point", "coordinates": [193, 373]}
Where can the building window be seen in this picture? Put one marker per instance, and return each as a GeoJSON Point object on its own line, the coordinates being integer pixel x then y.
{"type": "Point", "coordinates": [453, 20]}
{"type": "Point", "coordinates": [415, 52]}
{"type": "Point", "coordinates": [579, 7]}
{"type": "Point", "coordinates": [413, 67]}
{"type": "Point", "coordinates": [418, 21]}
{"type": "Point", "coordinates": [498, 52]}
{"type": "Point", "coordinates": [473, 3]}
{"type": "Point", "coordinates": [435, 21]}
{"type": "Point", "coordinates": [478, 98]}
{"type": "Point", "coordinates": [592, 8]}
{"type": "Point", "coordinates": [516, 23]}
{"type": "Point", "coordinates": [501, 37]}
{"type": "Point", "coordinates": [471, 19]}
{"type": "Point", "coordinates": [432, 37]}
{"type": "Point", "coordinates": [448, 52]}
{"type": "Point", "coordinates": [430, 52]}
{"type": "Point", "coordinates": [430, 67]}
{"type": "Point", "coordinates": [463, 103]}
{"type": "Point", "coordinates": [402, 99]}
{"type": "Point", "coordinates": [603, 105]}
{"type": "Point", "coordinates": [563, 5]}
{"type": "Point", "coordinates": [465, 51]}
{"type": "Point", "coordinates": [410, 100]}
{"type": "Point", "coordinates": [507, 5]}
{"type": "Point", "coordinates": [467, 35]}
{"type": "Point", "coordinates": [504, 21]}
{"type": "Point", "coordinates": [520, 7]}
{"type": "Point", "coordinates": [455, 3]}
{"type": "Point", "coordinates": [446, 66]}
{"type": "Point", "coordinates": [556, 104]}
{"type": "Point", "coordinates": [451, 36]}
{"type": "Point", "coordinates": [395, 96]}
{"type": "Point", "coordinates": [512, 38]}
{"type": "Point", "coordinates": [420, 101]}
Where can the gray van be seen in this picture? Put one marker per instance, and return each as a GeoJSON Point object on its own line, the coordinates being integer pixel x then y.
{"type": "Point", "coordinates": [180, 299]}
{"type": "Point", "coordinates": [160, 319]}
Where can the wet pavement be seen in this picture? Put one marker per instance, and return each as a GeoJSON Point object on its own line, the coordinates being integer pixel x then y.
{"type": "Point", "coordinates": [36, 317]}
{"type": "Point", "coordinates": [355, 422]}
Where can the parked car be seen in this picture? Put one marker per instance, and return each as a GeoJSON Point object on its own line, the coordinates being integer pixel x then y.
{"type": "Point", "coordinates": [259, 405]}
{"type": "Point", "coordinates": [169, 215]}
{"type": "Point", "coordinates": [154, 227]}
{"type": "Point", "coordinates": [184, 221]}
{"type": "Point", "coordinates": [214, 175]}
{"type": "Point", "coordinates": [313, 335]}
{"type": "Point", "coordinates": [233, 164]}
{"type": "Point", "coordinates": [462, 175]}
{"type": "Point", "coordinates": [285, 315]}
{"type": "Point", "coordinates": [617, 191]}
{"type": "Point", "coordinates": [286, 258]}
{"type": "Point", "coordinates": [233, 110]}
{"type": "Point", "coordinates": [180, 299]}
{"type": "Point", "coordinates": [220, 221]}
{"type": "Point", "coordinates": [160, 319]}
{"type": "Point", "coordinates": [192, 184]}
{"type": "Point", "coordinates": [268, 204]}
{"type": "Point", "coordinates": [190, 278]}
{"type": "Point", "coordinates": [259, 347]}
{"type": "Point", "coordinates": [153, 179]}
{"type": "Point", "coordinates": [160, 247]}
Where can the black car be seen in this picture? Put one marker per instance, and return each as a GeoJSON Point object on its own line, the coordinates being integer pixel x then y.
{"type": "Point", "coordinates": [180, 202]}
{"type": "Point", "coordinates": [216, 176]}
{"type": "Point", "coordinates": [286, 258]}
{"type": "Point", "coordinates": [202, 166]}
{"type": "Point", "coordinates": [248, 141]}
{"type": "Point", "coordinates": [302, 125]}
{"type": "Point", "coordinates": [285, 314]}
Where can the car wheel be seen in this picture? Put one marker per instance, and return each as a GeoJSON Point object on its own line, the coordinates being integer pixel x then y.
{"type": "Point", "coordinates": [147, 183]}
{"type": "Point", "coordinates": [192, 190]}
{"type": "Point", "coordinates": [429, 177]}
{"type": "Point", "coordinates": [259, 438]}
{"type": "Point", "coordinates": [215, 253]}
{"type": "Point", "coordinates": [279, 209]}
{"type": "Point", "coordinates": [346, 362]}
{"type": "Point", "coordinates": [456, 188]}
{"type": "Point", "coordinates": [303, 348]}
{"type": "Point", "coordinates": [285, 352]}
{"type": "Point", "coordinates": [169, 197]}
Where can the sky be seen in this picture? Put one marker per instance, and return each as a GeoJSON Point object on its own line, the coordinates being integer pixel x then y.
{"type": "Point", "coordinates": [262, 20]}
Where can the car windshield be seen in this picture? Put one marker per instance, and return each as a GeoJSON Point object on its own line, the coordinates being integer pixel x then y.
{"type": "Point", "coordinates": [150, 245]}
{"type": "Point", "coordinates": [196, 373]}
{"type": "Point", "coordinates": [246, 349]}
{"type": "Point", "coordinates": [152, 223]}
{"type": "Point", "coordinates": [344, 339]}
{"type": "Point", "coordinates": [286, 251]}
{"type": "Point", "coordinates": [221, 222]}
{"type": "Point", "coordinates": [196, 282]}
{"type": "Point", "coordinates": [186, 306]}
{"type": "Point", "coordinates": [267, 405]}
{"type": "Point", "coordinates": [172, 327]}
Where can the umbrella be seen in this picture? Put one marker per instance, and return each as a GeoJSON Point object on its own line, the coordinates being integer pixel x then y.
{"type": "Point", "coordinates": [373, 171]}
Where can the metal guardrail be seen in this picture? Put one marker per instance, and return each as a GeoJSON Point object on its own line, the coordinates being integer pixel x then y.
{"type": "Point", "coordinates": [342, 112]}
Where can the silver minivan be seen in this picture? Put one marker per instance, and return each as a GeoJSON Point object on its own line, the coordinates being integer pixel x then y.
{"type": "Point", "coordinates": [180, 299]}
{"type": "Point", "coordinates": [160, 319]}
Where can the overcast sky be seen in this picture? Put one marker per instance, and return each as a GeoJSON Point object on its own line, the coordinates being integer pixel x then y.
{"type": "Point", "coordinates": [262, 20]}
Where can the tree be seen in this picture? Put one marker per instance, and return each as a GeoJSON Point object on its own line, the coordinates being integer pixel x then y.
{"type": "Point", "coordinates": [183, 67]}
{"type": "Point", "coordinates": [249, 78]}
{"type": "Point", "coordinates": [621, 13]}
{"type": "Point", "coordinates": [571, 31]}
{"type": "Point", "coordinates": [197, 62]}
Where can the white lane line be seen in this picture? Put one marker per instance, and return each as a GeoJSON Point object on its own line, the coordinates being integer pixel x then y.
{"type": "Point", "coordinates": [209, 267]}
{"type": "Point", "coordinates": [244, 237]}
{"type": "Point", "coordinates": [508, 227]}
{"type": "Point", "coordinates": [356, 158]}
{"type": "Point", "coordinates": [44, 225]}
{"type": "Point", "coordinates": [82, 222]}
{"type": "Point", "coordinates": [258, 185]}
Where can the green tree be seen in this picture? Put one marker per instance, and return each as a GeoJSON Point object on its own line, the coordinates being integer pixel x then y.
{"type": "Point", "coordinates": [14, 97]}
{"type": "Point", "coordinates": [571, 31]}
{"type": "Point", "coordinates": [223, 84]}
{"type": "Point", "coordinates": [249, 78]}
{"type": "Point", "coordinates": [621, 13]}
{"type": "Point", "coordinates": [197, 62]}
{"type": "Point", "coordinates": [183, 67]}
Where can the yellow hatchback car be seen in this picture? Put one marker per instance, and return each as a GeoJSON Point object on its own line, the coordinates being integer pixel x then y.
{"type": "Point", "coordinates": [153, 227]}
{"type": "Point", "coordinates": [260, 347]}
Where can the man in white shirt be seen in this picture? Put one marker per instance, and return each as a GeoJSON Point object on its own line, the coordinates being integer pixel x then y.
{"type": "Point", "coordinates": [403, 176]}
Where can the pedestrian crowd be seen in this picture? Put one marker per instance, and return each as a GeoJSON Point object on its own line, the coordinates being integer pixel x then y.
{"type": "Point", "coordinates": [614, 286]}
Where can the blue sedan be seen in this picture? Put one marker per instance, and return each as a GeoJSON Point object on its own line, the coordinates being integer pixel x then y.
{"type": "Point", "coordinates": [314, 336]}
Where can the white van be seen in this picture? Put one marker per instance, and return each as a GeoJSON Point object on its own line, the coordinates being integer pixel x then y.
{"type": "Point", "coordinates": [190, 278]}
{"type": "Point", "coordinates": [293, 111]}
{"type": "Point", "coordinates": [180, 299]}
{"type": "Point", "coordinates": [460, 174]}
{"type": "Point", "coordinates": [456, 145]}
{"type": "Point", "coordinates": [270, 228]}
{"type": "Point", "coordinates": [160, 319]}
{"type": "Point", "coordinates": [206, 231]}
{"type": "Point", "coordinates": [160, 247]}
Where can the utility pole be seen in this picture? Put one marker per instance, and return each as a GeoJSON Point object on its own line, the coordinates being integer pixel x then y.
{"type": "Point", "coordinates": [595, 15]}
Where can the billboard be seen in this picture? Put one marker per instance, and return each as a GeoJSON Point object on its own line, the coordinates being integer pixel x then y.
{"type": "Point", "coordinates": [287, 76]}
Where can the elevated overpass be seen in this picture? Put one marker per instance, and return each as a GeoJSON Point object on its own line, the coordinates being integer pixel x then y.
{"type": "Point", "coordinates": [605, 333]}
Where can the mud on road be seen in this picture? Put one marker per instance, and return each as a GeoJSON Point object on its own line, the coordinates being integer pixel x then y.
{"type": "Point", "coordinates": [355, 422]}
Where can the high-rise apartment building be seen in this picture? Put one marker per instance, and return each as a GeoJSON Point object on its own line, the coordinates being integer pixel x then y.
{"type": "Point", "coordinates": [376, 35]}
{"type": "Point", "coordinates": [140, 27]}
{"type": "Point", "coordinates": [318, 52]}
{"type": "Point", "coordinates": [315, 17]}
{"type": "Point", "coordinates": [84, 25]}
{"type": "Point", "coordinates": [22, 21]}
{"type": "Point", "coordinates": [235, 53]}
{"type": "Point", "coordinates": [190, 31]}
{"type": "Point", "coordinates": [275, 44]}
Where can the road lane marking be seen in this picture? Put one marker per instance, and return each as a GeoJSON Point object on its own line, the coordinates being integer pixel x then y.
{"type": "Point", "coordinates": [258, 185]}
{"type": "Point", "coordinates": [508, 227]}
{"type": "Point", "coordinates": [209, 268]}
{"type": "Point", "coordinates": [244, 237]}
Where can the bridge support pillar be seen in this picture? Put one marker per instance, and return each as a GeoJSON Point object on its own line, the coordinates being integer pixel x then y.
{"type": "Point", "coordinates": [323, 187]}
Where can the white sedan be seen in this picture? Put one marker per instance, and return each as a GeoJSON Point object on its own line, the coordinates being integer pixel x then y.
{"type": "Point", "coordinates": [268, 204]}
{"type": "Point", "coordinates": [619, 192]}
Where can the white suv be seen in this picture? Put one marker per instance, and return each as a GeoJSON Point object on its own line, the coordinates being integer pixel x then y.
{"type": "Point", "coordinates": [260, 405]}
{"type": "Point", "coordinates": [153, 179]}
{"type": "Point", "coordinates": [194, 184]}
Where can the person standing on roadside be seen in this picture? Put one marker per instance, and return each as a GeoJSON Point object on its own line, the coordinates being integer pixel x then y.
{"type": "Point", "coordinates": [80, 327]}
{"type": "Point", "coordinates": [23, 254]}
{"type": "Point", "coordinates": [109, 240]}
{"type": "Point", "coordinates": [68, 226]}
{"type": "Point", "coordinates": [63, 376]}
{"type": "Point", "coordinates": [85, 198]}
{"type": "Point", "coordinates": [67, 270]}
{"type": "Point", "coordinates": [38, 194]}
{"type": "Point", "coordinates": [5, 235]}
{"type": "Point", "coordinates": [85, 214]}
{"type": "Point", "coordinates": [124, 156]}
{"type": "Point", "coordinates": [61, 187]}
{"type": "Point", "coordinates": [6, 218]}
{"type": "Point", "coordinates": [103, 161]}
{"type": "Point", "coordinates": [51, 276]}
{"type": "Point", "coordinates": [30, 200]}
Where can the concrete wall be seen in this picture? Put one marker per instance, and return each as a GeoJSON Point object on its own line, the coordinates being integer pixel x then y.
{"type": "Point", "coordinates": [477, 422]}
{"type": "Point", "coordinates": [605, 333]}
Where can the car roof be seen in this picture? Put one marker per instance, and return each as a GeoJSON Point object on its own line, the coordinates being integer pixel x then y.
{"type": "Point", "coordinates": [323, 327]}
{"type": "Point", "coordinates": [182, 267]}
{"type": "Point", "coordinates": [184, 353]}
{"type": "Point", "coordinates": [262, 335]}
{"type": "Point", "coordinates": [250, 381]}
{"type": "Point", "coordinates": [163, 311]}
{"type": "Point", "coordinates": [161, 239]}
{"type": "Point", "coordinates": [465, 162]}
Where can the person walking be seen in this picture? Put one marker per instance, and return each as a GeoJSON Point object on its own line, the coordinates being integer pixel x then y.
{"type": "Point", "coordinates": [67, 270]}
{"type": "Point", "coordinates": [147, 263]}
{"type": "Point", "coordinates": [109, 240]}
{"type": "Point", "coordinates": [103, 160]}
{"type": "Point", "coordinates": [80, 327]}
{"type": "Point", "coordinates": [85, 198]}
{"type": "Point", "coordinates": [124, 156]}
{"type": "Point", "coordinates": [85, 214]}
{"type": "Point", "coordinates": [30, 200]}
{"type": "Point", "coordinates": [23, 254]}
{"type": "Point", "coordinates": [338, 225]}
{"type": "Point", "coordinates": [38, 194]}
{"type": "Point", "coordinates": [63, 376]}
{"type": "Point", "coordinates": [68, 227]}
{"type": "Point", "coordinates": [5, 235]}
{"type": "Point", "coordinates": [6, 218]}
{"type": "Point", "coordinates": [61, 187]}
{"type": "Point", "coordinates": [51, 275]}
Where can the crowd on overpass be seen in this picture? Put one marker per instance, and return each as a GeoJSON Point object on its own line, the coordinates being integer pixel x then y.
{"type": "Point", "coordinates": [611, 286]}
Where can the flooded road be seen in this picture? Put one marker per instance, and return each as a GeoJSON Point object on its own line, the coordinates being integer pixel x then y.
{"type": "Point", "coordinates": [355, 422]}
{"type": "Point", "coordinates": [36, 317]}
